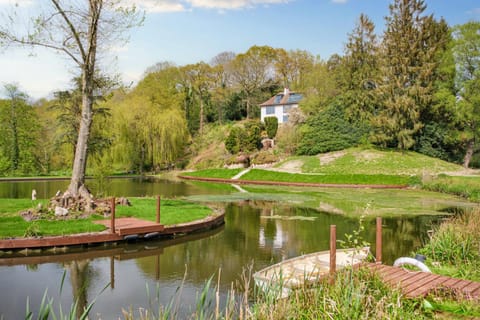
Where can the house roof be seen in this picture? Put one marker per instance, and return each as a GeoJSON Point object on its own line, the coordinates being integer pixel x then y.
{"type": "Point", "coordinates": [282, 98]}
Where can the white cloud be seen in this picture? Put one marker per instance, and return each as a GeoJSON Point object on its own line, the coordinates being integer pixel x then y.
{"type": "Point", "coordinates": [232, 4]}
{"type": "Point", "coordinates": [339, 1]}
{"type": "Point", "coordinates": [155, 6]}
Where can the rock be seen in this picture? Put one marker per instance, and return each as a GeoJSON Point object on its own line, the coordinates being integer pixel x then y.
{"type": "Point", "coordinates": [123, 201]}
{"type": "Point", "coordinates": [268, 144]}
{"type": "Point", "coordinates": [60, 212]}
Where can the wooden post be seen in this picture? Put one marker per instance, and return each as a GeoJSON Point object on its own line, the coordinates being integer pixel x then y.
{"type": "Point", "coordinates": [378, 241]}
{"type": "Point", "coordinates": [159, 199]}
{"type": "Point", "coordinates": [333, 250]}
{"type": "Point", "coordinates": [112, 215]}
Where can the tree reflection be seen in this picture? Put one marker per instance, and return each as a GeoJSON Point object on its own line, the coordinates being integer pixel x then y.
{"type": "Point", "coordinates": [79, 279]}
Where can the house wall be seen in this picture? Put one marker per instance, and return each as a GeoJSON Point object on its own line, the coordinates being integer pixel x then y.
{"type": "Point", "coordinates": [278, 112]}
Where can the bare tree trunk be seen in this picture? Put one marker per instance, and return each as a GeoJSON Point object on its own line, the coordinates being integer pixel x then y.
{"type": "Point", "coordinates": [468, 154]}
{"type": "Point", "coordinates": [77, 188]}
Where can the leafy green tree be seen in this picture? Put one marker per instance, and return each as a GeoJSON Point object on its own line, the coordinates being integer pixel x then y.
{"type": "Point", "coordinates": [292, 67]}
{"type": "Point", "coordinates": [19, 132]}
{"type": "Point", "coordinates": [150, 126]}
{"type": "Point", "coordinates": [467, 60]}
{"type": "Point", "coordinates": [406, 89]}
{"type": "Point", "coordinates": [198, 81]}
{"type": "Point", "coordinates": [252, 72]}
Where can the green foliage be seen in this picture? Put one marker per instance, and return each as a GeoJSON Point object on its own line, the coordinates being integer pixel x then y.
{"type": "Point", "coordinates": [327, 131]}
{"type": "Point", "coordinates": [19, 133]}
{"type": "Point", "coordinates": [455, 246]}
{"type": "Point", "coordinates": [466, 187]}
{"type": "Point", "coordinates": [271, 126]}
{"type": "Point", "coordinates": [244, 139]}
{"type": "Point", "coordinates": [264, 157]}
{"type": "Point", "coordinates": [253, 137]}
{"type": "Point", "coordinates": [407, 73]}
{"type": "Point", "coordinates": [235, 140]}
{"type": "Point", "coordinates": [355, 294]}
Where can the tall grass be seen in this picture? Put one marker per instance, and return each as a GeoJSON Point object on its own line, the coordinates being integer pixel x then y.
{"type": "Point", "coordinates": [454, 247]}
{"type": "Point", "coordinates": [465, 187]}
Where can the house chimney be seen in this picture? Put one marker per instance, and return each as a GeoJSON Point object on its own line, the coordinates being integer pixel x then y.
{"type": "Point", "coordinates": [286, 91]}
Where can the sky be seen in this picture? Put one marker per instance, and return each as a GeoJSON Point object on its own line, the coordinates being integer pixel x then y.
{"type": "Point", "coordinates": [190, 31]}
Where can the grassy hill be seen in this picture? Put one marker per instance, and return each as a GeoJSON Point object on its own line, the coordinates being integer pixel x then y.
{"type": "Point", "coordinates": [368, 161]}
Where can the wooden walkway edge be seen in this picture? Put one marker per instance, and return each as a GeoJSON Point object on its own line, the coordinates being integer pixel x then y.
{"type": "Point", "coordinates": [415, 284]}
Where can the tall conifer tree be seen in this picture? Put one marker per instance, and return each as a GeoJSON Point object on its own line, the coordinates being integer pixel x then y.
{"type": "Point", "coordinates": [407, 68]}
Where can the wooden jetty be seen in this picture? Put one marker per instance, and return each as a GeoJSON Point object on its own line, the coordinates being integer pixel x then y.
{"type": "Point", "coordinates": [119, 229]}
{"type": "Point", "coordinates": [414, 284]}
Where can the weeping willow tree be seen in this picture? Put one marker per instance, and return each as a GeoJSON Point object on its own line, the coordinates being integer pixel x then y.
{"type": "Point", "coordinates": [150, 124]}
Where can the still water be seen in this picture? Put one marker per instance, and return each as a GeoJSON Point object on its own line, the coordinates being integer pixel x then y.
{"type": "Point", "coordinates": [149, 274]}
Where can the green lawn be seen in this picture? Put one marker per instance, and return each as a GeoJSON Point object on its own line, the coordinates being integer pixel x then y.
{"type": "Point", "coordinates": [372, 161]}
{"type": "Point", "coordinates": [266, 175]}
{"type": "Point", "coordinates": [172, 212]}
{"type": "Point", "coordinates": [214, 173]}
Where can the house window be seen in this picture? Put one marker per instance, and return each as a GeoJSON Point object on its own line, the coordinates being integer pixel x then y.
{"type": "Point", "coordinates": [287, 109]}
{"type": "Point", "coordinates": [270, 110]}
{"type": "Point", "coordinates": [285, 118]}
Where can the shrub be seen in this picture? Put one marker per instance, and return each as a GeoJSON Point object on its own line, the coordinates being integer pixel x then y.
{"type": "Point", "coordinates": [329, 131]}
{"type": "Point", "coordinates": [264, 157]}
{"type": "Point", "coordinates": [271, 126]}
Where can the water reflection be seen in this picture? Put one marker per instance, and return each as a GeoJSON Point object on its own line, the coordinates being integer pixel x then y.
{"type": "Point", "coordinates": [132, 187]}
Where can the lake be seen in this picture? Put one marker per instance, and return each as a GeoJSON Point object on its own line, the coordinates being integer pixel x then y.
{"type": "Point", "coordinates": [257, 232]}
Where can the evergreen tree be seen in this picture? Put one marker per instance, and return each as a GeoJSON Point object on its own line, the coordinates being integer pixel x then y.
{"type": "Point", "coordinates": [361, 70]}
{"type": "Point", "coordinates": [407, 68]}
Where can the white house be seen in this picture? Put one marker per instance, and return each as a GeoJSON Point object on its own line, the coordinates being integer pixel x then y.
{"type": "Point", "coordinates": [280, 105]}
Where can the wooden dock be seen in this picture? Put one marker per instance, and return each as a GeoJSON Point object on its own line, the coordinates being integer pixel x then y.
{"type": "Point", "coordinates": [129, 226]}
{"type": "Point", "coordinates": [416, 284]}
{"type": "Point", "coordinates": [123, 228]}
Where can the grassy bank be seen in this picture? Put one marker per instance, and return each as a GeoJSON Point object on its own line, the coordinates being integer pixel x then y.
{"type": "Point", "coordinates": [269, 175]}
{"type": "Point", "coordinates": [13, 225]}
{"type": "Point", "coordinates": [467, 187]}
{"type": "Point", "coordinates": [382, 179]}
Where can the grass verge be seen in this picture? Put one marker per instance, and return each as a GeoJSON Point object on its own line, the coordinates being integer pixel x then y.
{"type": "Point", "coordinates": [467, 187]}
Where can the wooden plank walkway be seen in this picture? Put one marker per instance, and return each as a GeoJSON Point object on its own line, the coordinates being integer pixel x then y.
{"type": "Point", "coordinates": [127, 226]}
{"type": "Point", "coordinates": [418, 284]}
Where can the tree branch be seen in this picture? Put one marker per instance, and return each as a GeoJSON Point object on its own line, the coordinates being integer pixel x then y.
{"type": "Point", "coordinates": [72, 29]}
